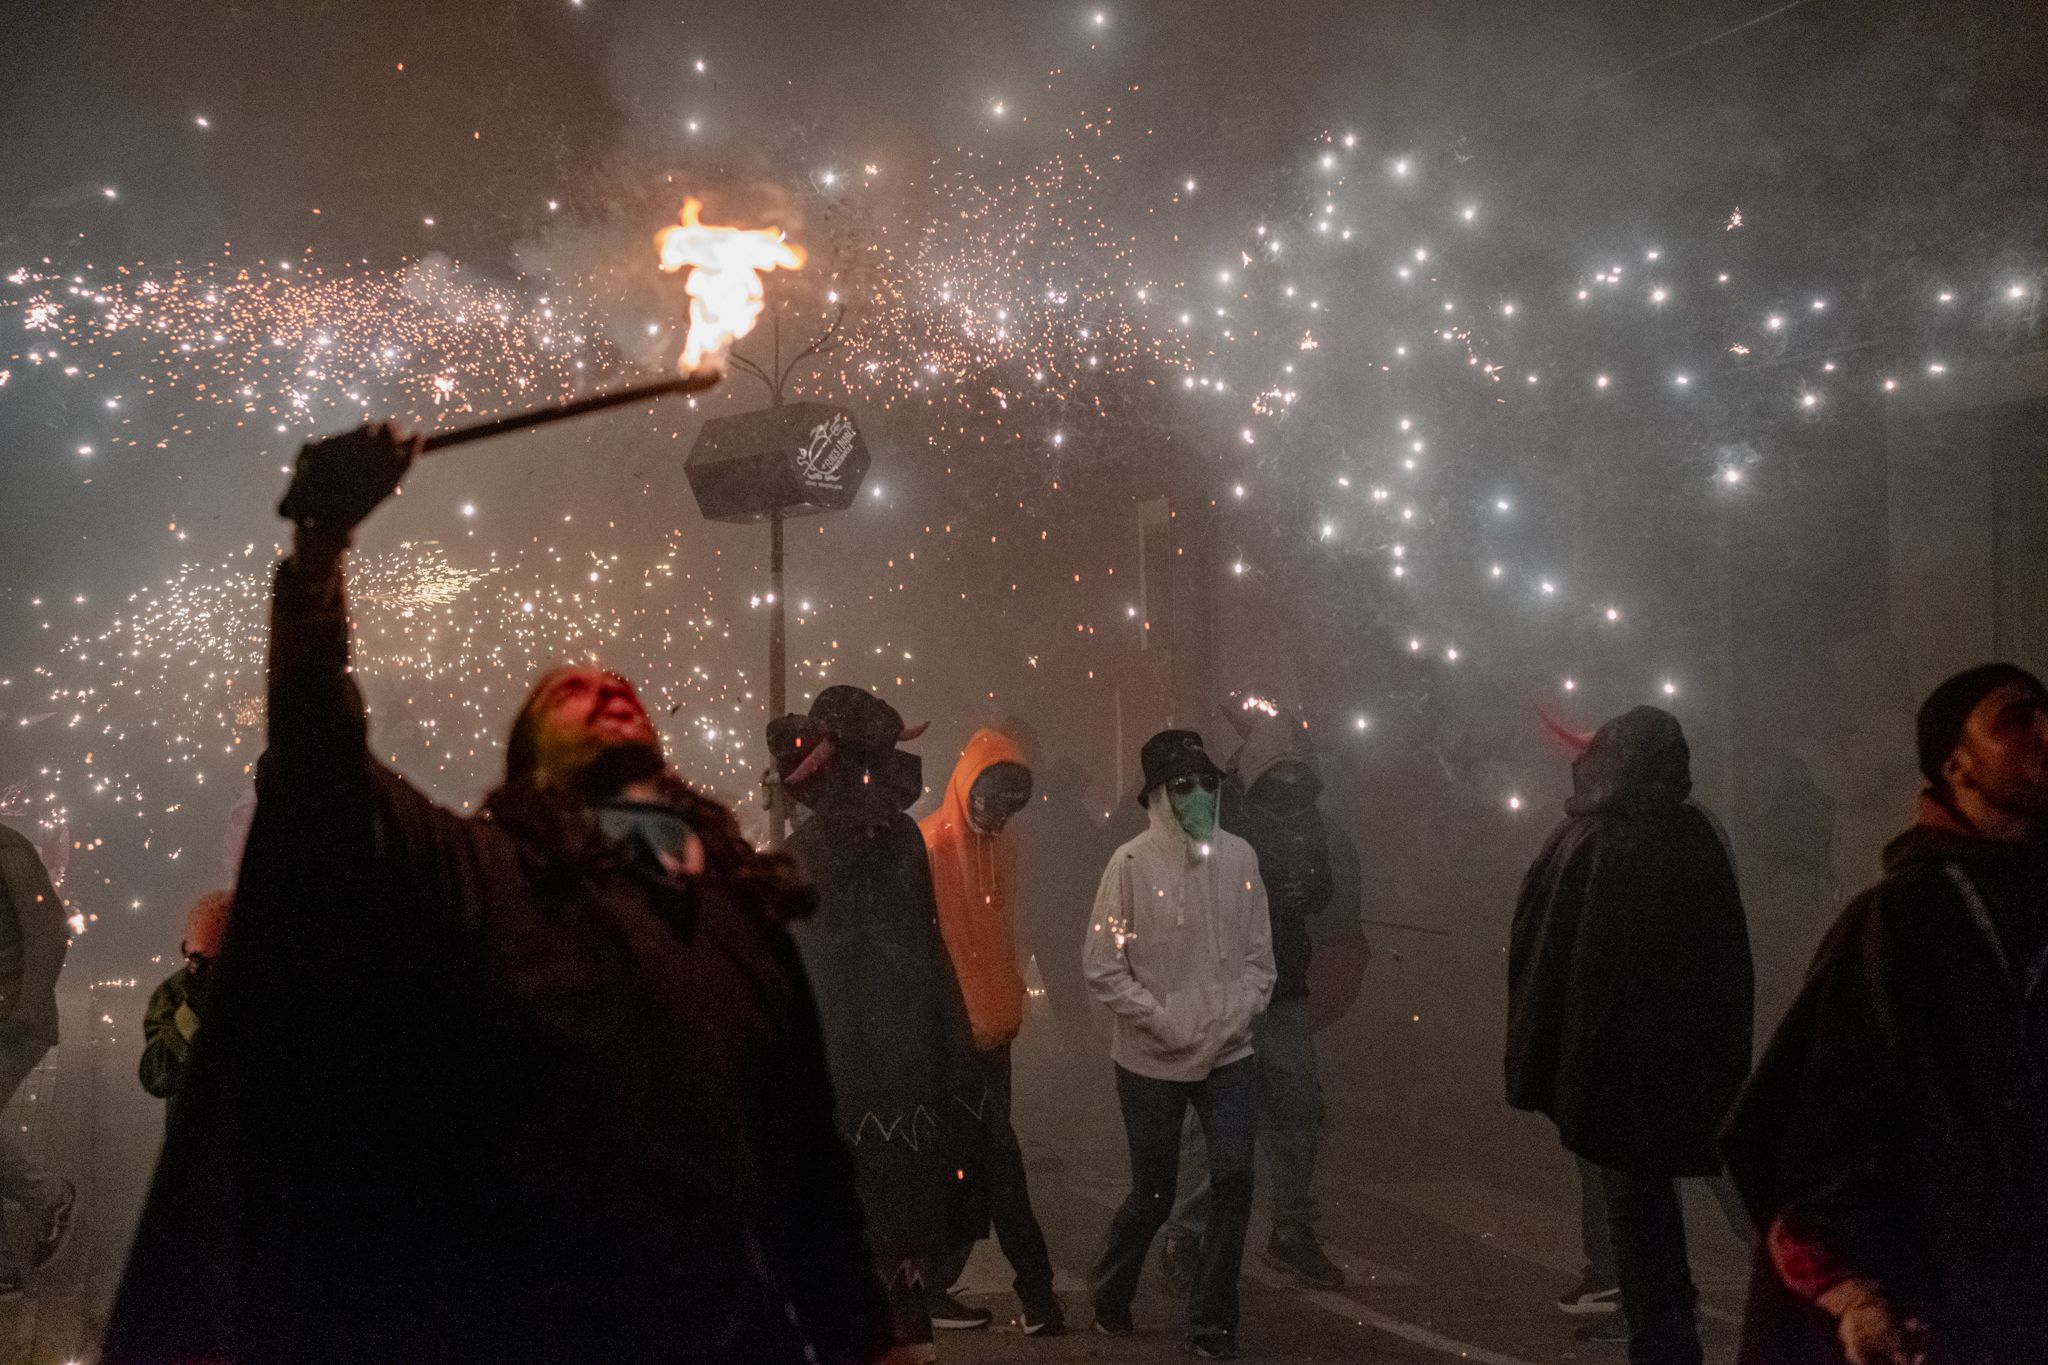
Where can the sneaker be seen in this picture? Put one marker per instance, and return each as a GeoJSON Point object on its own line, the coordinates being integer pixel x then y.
{"type": "Point", "coordinates": [1212, 1345]}
{"type": "Point", "coordinates": [1177, 1257]}
{"type": "Point", "coordinates": [1300, 1255]}
{"type": "Point", "coordinates": [1113, 1322]}
{"type": "Point", "coordinates": [1045, 1317]}
{"type": "Point", "coordinates": [1590, 1295]}
{"type": "Point", "coordinates": [1609, 1329]}
{"type": "Point", "coordinates": [57, 1227]}
{"type": "Point", "coordinates": [954, 1316]}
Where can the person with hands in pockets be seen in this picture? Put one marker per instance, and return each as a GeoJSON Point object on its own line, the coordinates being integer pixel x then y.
{"type": "Point", "coordinates": [1180, 949]}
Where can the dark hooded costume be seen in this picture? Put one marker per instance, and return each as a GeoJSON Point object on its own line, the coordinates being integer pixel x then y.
{"type": "Point", "coordinates": [1287, 834]}
{"type": "Point", "coordinates": [909, 1089]}
{"type": "Point", "coordinates": [1897, 1127]}
{"type": "Point", "coordinates": [1057, 869]}
{"type": "Point", "coordinates": [1629, 977]}
{"type": "Point", "coordinates": [490, 1090]}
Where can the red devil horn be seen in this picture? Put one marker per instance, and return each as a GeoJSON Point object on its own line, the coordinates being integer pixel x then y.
{"type": "Point", "coordinates": [806, 770]}
{"type": "Point", "coordinates": [1574, 742]}
{"type": "Point", "coordinates": [911, 732]}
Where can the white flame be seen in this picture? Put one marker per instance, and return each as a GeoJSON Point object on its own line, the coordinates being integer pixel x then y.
{"type": "Point", "coordinates": [724, 284]}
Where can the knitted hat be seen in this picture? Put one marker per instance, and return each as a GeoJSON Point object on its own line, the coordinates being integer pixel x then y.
{"type": "Point", "coordinates": [1947, 709]}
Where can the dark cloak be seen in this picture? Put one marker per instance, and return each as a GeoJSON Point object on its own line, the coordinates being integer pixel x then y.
{"type": "Point", "coordinates": [910, 1096]}
{"type": "Point", "coordinates": [1898, 1121]}
{"type": "Point", "coordinates": [1629, 975]}
{"type": "Point", "coordinates": [472, 1090]}
{"type": "Point", "coordinates": [1292, 845]}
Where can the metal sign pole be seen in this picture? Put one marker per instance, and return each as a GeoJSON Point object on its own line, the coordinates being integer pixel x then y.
{"type": "Point", "coordinates": [778, 668]}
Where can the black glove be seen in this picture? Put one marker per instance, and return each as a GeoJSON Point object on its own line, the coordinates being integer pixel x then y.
{"type": "Point", "coordinates": [340, 480]}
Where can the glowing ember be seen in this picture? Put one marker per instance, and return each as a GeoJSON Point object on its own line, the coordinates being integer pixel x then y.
{"type": "Point", "coordinates": [724, 284]}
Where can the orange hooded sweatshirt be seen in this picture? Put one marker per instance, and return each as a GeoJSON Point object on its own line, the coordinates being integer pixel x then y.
{"type": "Point", "coordinates": [974, 877]}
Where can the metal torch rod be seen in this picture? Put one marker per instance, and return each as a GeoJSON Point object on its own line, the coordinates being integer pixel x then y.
{"type": "Point", "coordinates": [519, 421]}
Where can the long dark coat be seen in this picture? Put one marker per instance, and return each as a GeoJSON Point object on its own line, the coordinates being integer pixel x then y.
{"type": "Point", "coordinates": [910, 1096]}
{"type": "Point", "coordinates": [471, 1091]}
{"type": "Point", "coordinates": [1629, 975]}
{"type": "Point", "coordinates": [1898, 1122]}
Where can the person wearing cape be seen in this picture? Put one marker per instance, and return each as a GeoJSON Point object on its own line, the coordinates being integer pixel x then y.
{"type": "Point", "coordinates": [911, 1100]}
{"type": "Point", "coordinates": [1630, 995]}
{"type": "Point", "coordinates": [539, 1086]}
{"type": "Point", "coordinates": [1893, 1143]}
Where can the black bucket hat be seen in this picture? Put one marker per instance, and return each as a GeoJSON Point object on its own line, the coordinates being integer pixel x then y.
{"type": "Point", "coordinates": [1170, 754]}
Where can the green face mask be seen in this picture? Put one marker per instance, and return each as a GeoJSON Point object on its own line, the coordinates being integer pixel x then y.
{"type": "Point", "coordinates": [1195, 813]}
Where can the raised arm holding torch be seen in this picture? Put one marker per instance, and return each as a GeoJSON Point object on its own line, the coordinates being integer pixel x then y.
{"type": "Point", "coordinates": [573, 1103]}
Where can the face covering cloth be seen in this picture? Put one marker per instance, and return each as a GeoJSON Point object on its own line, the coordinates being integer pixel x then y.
{"type": "Point", "coordinates": [656, 827]}
{"type": "Point", "coordinates": [1195, 812]}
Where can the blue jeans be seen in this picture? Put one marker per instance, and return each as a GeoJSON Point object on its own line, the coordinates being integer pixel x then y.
{"type": "Point", "coordinates": [1226, 1103]}
{"type": "Point", "coordinates": [1290, 1123]}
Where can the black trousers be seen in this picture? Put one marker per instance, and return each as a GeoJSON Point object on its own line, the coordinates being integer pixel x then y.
{"type": "Point", "coordinates": [1017, 1230]}
{"type": "Point", "coordinates": [1647, 1226]}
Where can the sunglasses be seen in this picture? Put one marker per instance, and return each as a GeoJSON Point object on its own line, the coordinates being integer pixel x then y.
{"type": "Point", "coordinates": [1185, 786]}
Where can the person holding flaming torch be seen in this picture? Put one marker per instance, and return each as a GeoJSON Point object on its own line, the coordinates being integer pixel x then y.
{"type": "Point", "coordinates": [545, 1085]}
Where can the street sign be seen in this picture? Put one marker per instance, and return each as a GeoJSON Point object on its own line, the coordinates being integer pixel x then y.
{"type": "Point", "coordinates": [792, 459]}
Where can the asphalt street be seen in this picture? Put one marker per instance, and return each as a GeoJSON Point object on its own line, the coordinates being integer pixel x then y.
{"type": "Point", "coordinates": [1455, 1220]}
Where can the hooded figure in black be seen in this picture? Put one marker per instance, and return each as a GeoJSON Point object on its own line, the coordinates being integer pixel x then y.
{"type": "Point", "coordinates": [1893, 1143]}
{"type": "Point", "coordinates": [904, 1069]}
{"type": "Point", "coordinates": [543, 1086]}
{"type": "Point", "coordinates": [1269, 800]}
{"type": "Point", "coordinates": [1629, 1003]}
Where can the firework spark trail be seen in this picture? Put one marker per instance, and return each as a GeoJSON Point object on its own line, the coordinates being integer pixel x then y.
{"type": "Point", "coordinates": [299, 347]}
{"type": "Point", "coordinates": [168, 697]}
{"type": "Point", "coordinates": [1002, 291]}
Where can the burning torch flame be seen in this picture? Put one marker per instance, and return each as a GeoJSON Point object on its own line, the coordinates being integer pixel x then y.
{"type": "Point", "coordinates": [724, 283]}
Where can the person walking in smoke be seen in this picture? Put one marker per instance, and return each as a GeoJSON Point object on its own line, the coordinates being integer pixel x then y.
{"type": "Point", "coordinates": [170, 1026]}
{"type": "Point", "coordinates": [572, 1105]}
{"type": "Point", "coordinates": [1180, 949]}
{"type": "Point", "coordinates": [1629, 1005]}
{"type": "Point", "coordinates": [1056, 871]}
{"type": "Point", "coordinates": [974, 874]}
{"type": "Point", "coordinates": [33, 941]}
{"type": "Point", "coordinates": [1893, 1144]}
{"type": "Point", "coordinates": [911, 1099]}
{"type": "Point", "coordinates": [1269, 800]}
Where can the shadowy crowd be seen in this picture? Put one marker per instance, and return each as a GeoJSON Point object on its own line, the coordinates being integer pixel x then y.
{"type": "Point", "coordinates": [586, 1076]}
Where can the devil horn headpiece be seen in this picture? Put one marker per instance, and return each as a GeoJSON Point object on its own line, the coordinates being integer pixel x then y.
{"type": "Point", "coordinates": [1574, 742]}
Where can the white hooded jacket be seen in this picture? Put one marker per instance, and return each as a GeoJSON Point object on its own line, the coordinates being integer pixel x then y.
{"type": "Point", "coordinates": [1180, 949]}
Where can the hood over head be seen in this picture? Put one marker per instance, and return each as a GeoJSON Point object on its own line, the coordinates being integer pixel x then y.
{"type": "Point", "coordinates": [984, 750]}
{"type": "Point", "coordinates": [1637, 763]}
{"type": "Point", "coordinates": [1270, 741]}
{"type": "Point", "coordinates": [974, 878]}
